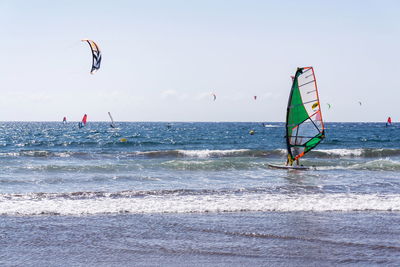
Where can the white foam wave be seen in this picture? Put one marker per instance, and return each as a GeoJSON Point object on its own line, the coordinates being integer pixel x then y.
{"type": "Point", "coordinates": [209, 153]}
{"type": "Point", "coordinates": [342, 152]}
{"type": "Point", "coordinates": [36, 153]}
{"type": "Point", "coordinates": [202, 203]}
{"type": "Point", "coordinates": [271, 126]}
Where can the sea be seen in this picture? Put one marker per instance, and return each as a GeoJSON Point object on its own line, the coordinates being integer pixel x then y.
{"type": "Point", "coordinates": [196, 194]}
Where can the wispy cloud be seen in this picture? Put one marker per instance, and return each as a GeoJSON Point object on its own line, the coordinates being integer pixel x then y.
{"type": "Point", "coordinates": [169, 93]}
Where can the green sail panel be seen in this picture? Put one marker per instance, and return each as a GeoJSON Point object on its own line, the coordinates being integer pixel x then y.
{"type": "Point", "coordinates": [304, 125]}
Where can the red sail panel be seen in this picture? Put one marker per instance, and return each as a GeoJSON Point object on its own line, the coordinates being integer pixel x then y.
{"type": "Point", "coordinates": [84, 119]}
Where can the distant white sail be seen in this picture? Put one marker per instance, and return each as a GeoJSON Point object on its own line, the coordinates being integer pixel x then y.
{"type": "Point", "coordinates": [112, 125]}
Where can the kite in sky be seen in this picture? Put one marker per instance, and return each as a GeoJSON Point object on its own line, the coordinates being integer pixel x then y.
{"type": "Point", "coordinates": [96, 53]}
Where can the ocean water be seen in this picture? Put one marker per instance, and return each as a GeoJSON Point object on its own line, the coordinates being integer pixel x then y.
{"type": "Point", "coordinates": [196, 194]}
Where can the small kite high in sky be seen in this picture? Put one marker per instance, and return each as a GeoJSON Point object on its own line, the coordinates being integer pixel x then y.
{"type": "Point", "coordinates": [96, 53]}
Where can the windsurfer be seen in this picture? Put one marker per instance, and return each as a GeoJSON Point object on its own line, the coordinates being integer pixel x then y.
{"type": "Point", "coordinates": [389, 121]}
{"type": "Point", "coordinates": [289, 161]}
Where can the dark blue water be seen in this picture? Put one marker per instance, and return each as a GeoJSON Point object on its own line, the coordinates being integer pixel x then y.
{"type": "Point", "coordinates": [196, 193]}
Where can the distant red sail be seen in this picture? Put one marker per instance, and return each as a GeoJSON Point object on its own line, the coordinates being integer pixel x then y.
{"type": "Point", "coordinates": [84, 119]}
{"type": "Point", "coordinates": [389, 120]}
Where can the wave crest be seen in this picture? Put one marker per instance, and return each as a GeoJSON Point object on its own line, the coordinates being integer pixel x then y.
{"type": "Point", "coordinates": [177, 203]}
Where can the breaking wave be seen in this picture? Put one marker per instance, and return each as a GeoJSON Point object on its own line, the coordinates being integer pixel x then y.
{"type": "Point", "coordinates": [179, 202]}
{"type": "Point", "coordinates": [356, 152]}
{"type": "Point", "coordinates": [208, 153]}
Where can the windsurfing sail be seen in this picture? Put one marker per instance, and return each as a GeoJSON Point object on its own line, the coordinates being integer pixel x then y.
{"type": "Point", "coordinates": [83, 122]}
{"type": "Point", "coordinates": [112, 125]}
{"type": "Point", "coordinates": [65, 120]}
{"type": "Point", "coordinates": [84, 119]}
{"type": "Point", "coordinates": [96, 55]}
{"type": "Point", "coordinates": [389, 121]}
{"type": "Point", "coordinates": [304, 125]}
{"type": "Point", "coordinates": [214, 96]}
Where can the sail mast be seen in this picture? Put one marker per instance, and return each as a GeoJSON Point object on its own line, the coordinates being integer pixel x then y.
{"type": "Point", "coordinates": [112, 120]}
{"type": "Point", "coordinates": [287, 116]}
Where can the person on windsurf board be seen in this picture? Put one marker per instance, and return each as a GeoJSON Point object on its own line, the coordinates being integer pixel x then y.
{"type": "Point", "coordinates": [83, 122]}
{"type": "Point", "coordinates": [304, 126]}
{"type": "Point", "coordinates": [389, 122]}
{"type": "Point", "coordinates": [112, 124]}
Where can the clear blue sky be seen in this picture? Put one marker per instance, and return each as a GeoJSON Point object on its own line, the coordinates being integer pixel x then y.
{"type": "Point", "coordinates": [163, 59]}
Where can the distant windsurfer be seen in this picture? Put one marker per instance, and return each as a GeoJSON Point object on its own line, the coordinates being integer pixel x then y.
{"type": "Point", "coordinates": [389, 122]}
{"type": "Point", "coordinates": [83, 122]}
{"type": "Point", "coordinates": [112, 124]}
{"type": "Point", "coordinates": [65, 120]}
